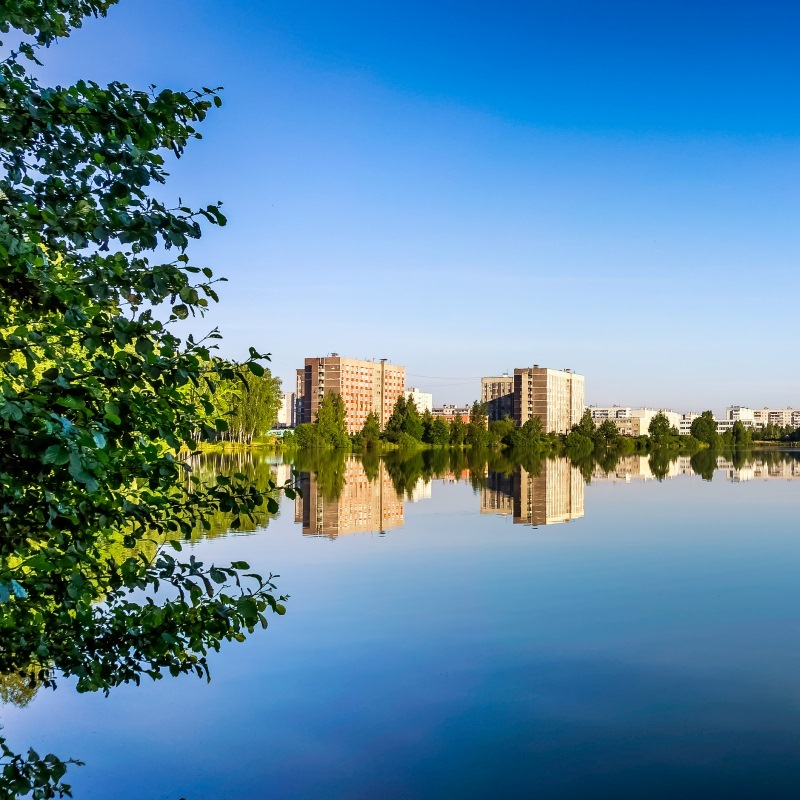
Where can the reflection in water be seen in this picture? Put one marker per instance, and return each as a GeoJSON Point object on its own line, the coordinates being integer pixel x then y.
{"type": "Point", "coordinates": [766, 466]}
{"type": "Point", "coordinates": [553, 494]}
{"type": "Point", "coordinates": [343, 495]}
{"type": "Point", "coordinates": [365, 503]}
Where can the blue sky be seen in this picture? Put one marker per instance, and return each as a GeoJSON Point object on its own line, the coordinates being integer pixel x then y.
{"type": "Point", "coordinates": [469, 187]}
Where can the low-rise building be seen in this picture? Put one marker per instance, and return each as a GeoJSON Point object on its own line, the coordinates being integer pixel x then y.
{"type": "Point", "coordinates": [450, 412]}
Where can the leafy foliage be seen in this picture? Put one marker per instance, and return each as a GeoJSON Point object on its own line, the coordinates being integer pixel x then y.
{"type": "Point", "coordinates": [98, 393]}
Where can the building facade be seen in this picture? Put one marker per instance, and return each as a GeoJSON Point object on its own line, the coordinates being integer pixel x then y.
{"type": "Point", "coordinates": [555, 396]}
{"type": "Point", "coordinates": [497, 394]}
{"type": "Point", "coordinates": [449, 413]}
{"type": "Point", "coordinates": [422, 400]}
{"type": "Point", "coordinates": [287, 413]}
{"type": "Point", "coordinates": [364, 386]}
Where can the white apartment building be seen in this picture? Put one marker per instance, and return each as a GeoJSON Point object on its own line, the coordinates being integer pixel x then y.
{"type": "Point", "coordinates": [600, 413]}
{"type": "Point", "coordinates": [287, 413]}
{"type": "Point", "coordinates": [422, 400]}
{"type": "Point", "coordinates": [760, 417]}
{"type": "Point", "coordinates": [685, 424]}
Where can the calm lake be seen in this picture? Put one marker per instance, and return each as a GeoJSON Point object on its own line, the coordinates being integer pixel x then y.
{"type": "Point", "coordinates": [476, 630]}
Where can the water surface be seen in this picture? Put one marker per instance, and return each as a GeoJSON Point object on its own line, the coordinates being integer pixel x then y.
{"type": "Point", "coordinates": [462, 629]}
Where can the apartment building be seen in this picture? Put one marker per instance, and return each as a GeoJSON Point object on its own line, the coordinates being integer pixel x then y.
{"type": "Point", "coordinates": [497, 394]}
{"type": "Point", "coordinates": [450, 412]}
{"type": "Point", "coordinates": [364, 386]}
{"type": "Point", "coordinates": [555, 396]}
{"type": "Point", "coordinates": [422, 400]}
{"type": "Point", "coordinates": [761, 417]}
{"type": "Point", "coordinates": [634, 421]}
{"type": "Point", "coordinates": [287, 412]}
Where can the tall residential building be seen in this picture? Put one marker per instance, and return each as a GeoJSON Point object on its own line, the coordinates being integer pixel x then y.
{"type": "Point", "coordinates": [363, 385]}
{"type": "Point", "coordinates": [422, 400]}
{"type": "Point", "coordinates": [555, 396]}
{"type": "Point", "coordinates": [497, 394]}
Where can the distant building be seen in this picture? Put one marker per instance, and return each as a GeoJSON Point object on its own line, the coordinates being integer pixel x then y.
{"type": "Point", "coordinates": [635, 421]}
{"type": "Point", "coordinates": [761, 417]}
{"type": "Point", "coordinates": [287, 413]}
{"type": "Point", "coordinates": [555, 396]}
{"type": "Point", "coordinates": [685, 424]}
{"type": "Point", "coordinates": [449, 413]}
{"type": "Point", "coordinates": [422, 400]}
{"type": "Point", "coordinates": [497, 394]}
{"type": "Point", "coordinates": [600, 413]}
{"type": "Point", "coordinates": [364, 386]}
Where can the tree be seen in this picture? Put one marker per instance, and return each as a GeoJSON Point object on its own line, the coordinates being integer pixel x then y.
{"type": "Point", "coordinates": [477, 428]}
{"type": "Point", "coordinates": [371, 432]}
{"type": "Point", "coordinates": [427, 427]}
{"type": "Point", "coordinates": [331, 422]}
{"type": "Point", "coordinates": [586, 426]}
{"type": "Point", "coordinates": [98, 394]}
{"type": "Point", "coordinates": [606, 434]}
{"type": "Point", "coordinates": [704, 428]}
{"type": "Point", "coordinates": [531, 435]}
{"type": "Point", "coordinates": [412, 423]}
{"type": "Point", "coordinates": [254, 407]}
{"type": "Point", "coordinates": [440, 432]}
{"type": "Point", "coordinates": [396, 422]}
{"type": "Point", "coordinates": [660, 430]}
{"type": "Point", "coordinates": [742, 437]}
{"type": "Point", "coordinates": [458, 432]}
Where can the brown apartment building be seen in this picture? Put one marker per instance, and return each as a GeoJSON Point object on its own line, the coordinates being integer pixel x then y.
{"type": "Point", "coordinates": [497, 394]}
{"type": "Point", "coordinates": [555, 396]}
{"type": "Point", "coordinates": [363, 385]}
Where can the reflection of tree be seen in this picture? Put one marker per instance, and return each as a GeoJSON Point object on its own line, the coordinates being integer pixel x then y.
{"type": "Point", "coordinates": [659, 463]}
{"type": "Point", "coordinates": [704, 462]}
{"type": "Point", "coordinates": [328, 467]}
{"type": "Point", "coordinates": [16, 690]}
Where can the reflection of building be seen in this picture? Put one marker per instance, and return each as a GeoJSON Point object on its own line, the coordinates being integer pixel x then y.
{"type": "Point", "coordinates": [421, 491]}
{"type": "Point", "coordinates": [363, 385]}
{"type": "Point", "coordinates": [555, 396]}
{"type": "Point", "coordinates": [637, 468]}
{"type": "Point", "coordinates": [555, 495]}
{"type": "Point", "coordinates": [497, 394]}
{"type": "Point", "coordinates": [422, 400]}
{"type": "Point", "coordinates": [362, 505]}
{"type": "Point", "coordinates": [497, 497]}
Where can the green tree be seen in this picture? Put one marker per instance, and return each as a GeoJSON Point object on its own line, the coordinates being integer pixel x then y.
{"type": "Point", "coordinates": [331, 422]}
{"type": "Point", "coordinates": [427, 427]}
{"type": "Point", "coordinates": [440, 432]}
{"type": "Point", "coordinates": [704, 428]}
{"type": "Point", "coordinates": [412, 423]}
{"type": "Point", "coordinates": [99, 396]}
{"type": "Point", "coordinates": [254, 408]}
{"type": "Point", "coordinates": [530, 436]}
{"type": "Point", "coordinates": [371, 432]}
{"type": "Point", "coordinates": [396, 423]}
{"type": "Point", "coordinates": [606, 435]}
{"type": "Point", "coordinates": [585, 425]}
{"type": "Point", "coordinates": [660, 430]}
{"type": "Point", "coordinates": [478, 426]}
{"type": "Point", "coordinates": [742, 437]}
{"type": "Point", "coordinates": [458, 432]}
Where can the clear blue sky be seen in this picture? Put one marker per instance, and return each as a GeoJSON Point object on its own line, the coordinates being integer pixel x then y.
{"type": "Point", "coordinates": [469, 187]}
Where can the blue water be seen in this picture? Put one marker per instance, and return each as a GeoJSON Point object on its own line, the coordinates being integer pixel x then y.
{"type": "Point", "coordinates": [649, 648]}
